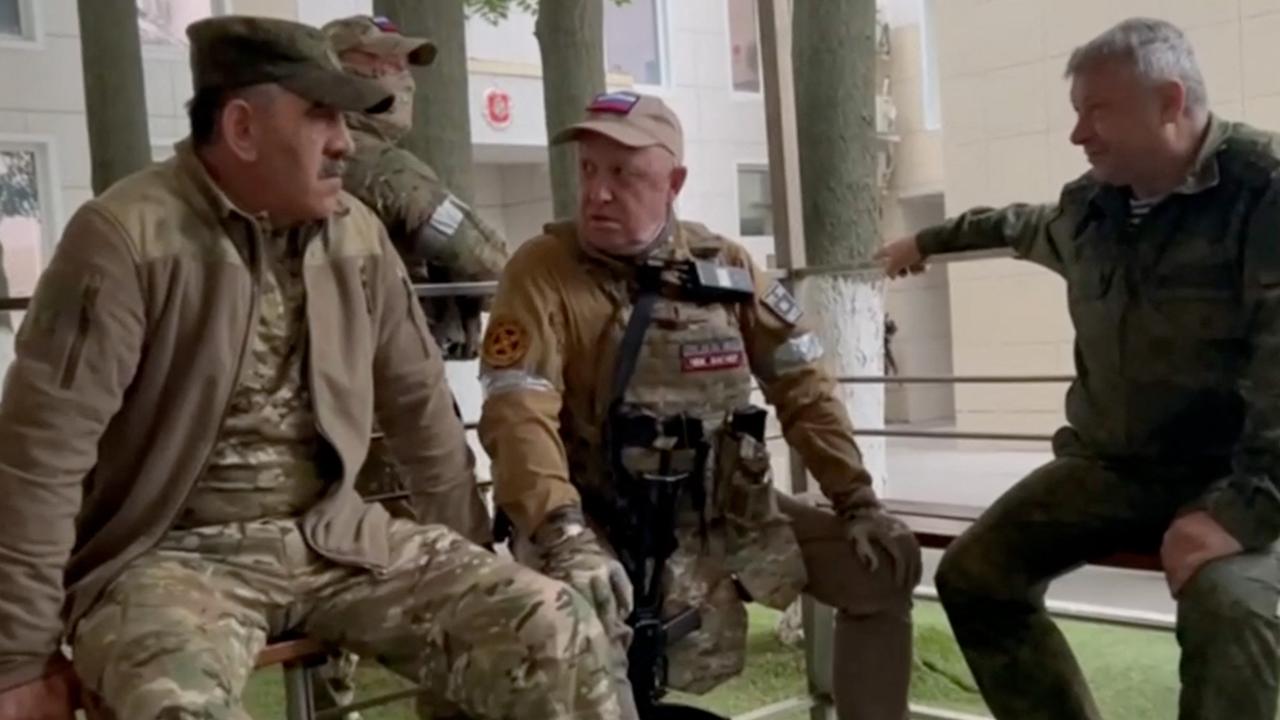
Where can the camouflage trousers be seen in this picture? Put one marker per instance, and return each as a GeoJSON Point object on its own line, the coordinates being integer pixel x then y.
{"type": "Point", "coordinates": [992, 583]}
{"type": "Point", "coordinates": [378, 478]}
{"type": "Point", "coordinates": [871, 666]}
{"type": "Point", "coordinates": [176, 634]}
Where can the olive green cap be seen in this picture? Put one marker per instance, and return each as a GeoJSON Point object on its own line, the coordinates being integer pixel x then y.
{"type": "Point", "coordinates": [236, 51]}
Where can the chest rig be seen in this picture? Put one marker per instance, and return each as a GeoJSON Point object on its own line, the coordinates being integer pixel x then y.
{"type": "Point", "coordinates": [679, 394]}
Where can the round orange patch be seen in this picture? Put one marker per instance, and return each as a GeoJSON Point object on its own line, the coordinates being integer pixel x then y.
{"type": "Point", "coordinates": [505, 343]}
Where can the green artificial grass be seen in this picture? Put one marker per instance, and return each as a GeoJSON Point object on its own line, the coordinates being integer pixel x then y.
{"type": "Point", "coordinates": [1133, 673]}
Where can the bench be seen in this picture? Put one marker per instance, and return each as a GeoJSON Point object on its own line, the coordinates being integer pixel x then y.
{"type": "Point", "coordinates": [296, 656]}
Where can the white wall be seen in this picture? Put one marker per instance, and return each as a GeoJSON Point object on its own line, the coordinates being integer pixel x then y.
{"type": "Point", "coordinates": [319, 12]}
{"type": "Point", "coordinates": [510, 41]}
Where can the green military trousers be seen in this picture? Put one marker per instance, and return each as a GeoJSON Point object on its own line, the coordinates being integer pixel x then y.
{"type": "Point", "coordinates": [992, 583]}
{"type": "Point", "coordinates": [174, 637]}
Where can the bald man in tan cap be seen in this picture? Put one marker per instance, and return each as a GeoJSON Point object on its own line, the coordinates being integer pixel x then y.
{"type": "Point", "coordinates": [617, 367]}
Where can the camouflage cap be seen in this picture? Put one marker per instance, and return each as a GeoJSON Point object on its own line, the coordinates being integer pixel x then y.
{"type": "Point", "coordinates": [236, 51]}
{"type": "Point", "coordinates": [377, 35]}
{"type": "Point", "coordinates": [632, 119]}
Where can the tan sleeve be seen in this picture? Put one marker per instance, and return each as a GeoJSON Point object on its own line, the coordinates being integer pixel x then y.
{"type": "Point", "coordinates": [786, 358]}
{"type": "Point", "coordinates": [77, 351]}
{"type": "Point", "coordinates": [521, 369]}
{"type": "Point", "coordinates": [416, 410]}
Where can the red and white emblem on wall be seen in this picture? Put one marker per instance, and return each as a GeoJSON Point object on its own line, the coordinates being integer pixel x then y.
{"type": "Point", "coordinates": [497, 108]}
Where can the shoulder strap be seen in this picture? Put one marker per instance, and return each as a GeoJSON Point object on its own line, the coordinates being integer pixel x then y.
{"type": "Point", "coordinates": [632, 338]}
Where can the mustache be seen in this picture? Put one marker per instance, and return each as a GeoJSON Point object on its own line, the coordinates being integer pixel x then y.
{"type": "Point", "coordinates": [333, 169]}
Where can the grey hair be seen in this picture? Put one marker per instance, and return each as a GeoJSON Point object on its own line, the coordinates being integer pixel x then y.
{"type": "Point", "coordinates": [1158, 50]}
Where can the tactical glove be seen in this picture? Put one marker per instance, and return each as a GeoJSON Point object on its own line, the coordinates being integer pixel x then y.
{"type": "Point", "coordinates": [870, 528]}
{"type": "Point", "coordinates": [571, 554]}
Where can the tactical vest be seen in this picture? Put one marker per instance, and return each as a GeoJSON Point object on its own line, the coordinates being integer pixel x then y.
{"type": "Point", "coordinates": [687, 410]}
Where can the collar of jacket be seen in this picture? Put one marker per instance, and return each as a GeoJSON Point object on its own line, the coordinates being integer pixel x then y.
{"type": "Point", "coordinates": [1204, 173]}
{"type": "Point", "coordinates": [671, 238]}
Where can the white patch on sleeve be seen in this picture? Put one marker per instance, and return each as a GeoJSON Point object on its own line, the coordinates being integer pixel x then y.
{"type": "Point", "coordinates": [448, 216]}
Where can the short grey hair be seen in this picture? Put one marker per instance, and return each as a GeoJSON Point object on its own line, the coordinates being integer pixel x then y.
{"type": "Point", "coordinates": [1158, 50]}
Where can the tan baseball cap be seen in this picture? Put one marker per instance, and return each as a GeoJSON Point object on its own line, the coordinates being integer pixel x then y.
{"type": "Point", "coordinates": [236, 51]}
{"type": "Point", "coordinates": [377, 34]}
{"type": "Point", "coordinates": [632, 119]}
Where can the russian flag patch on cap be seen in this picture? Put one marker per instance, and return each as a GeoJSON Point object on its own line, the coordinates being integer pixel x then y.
{"type": "Point", "coordinates": [385, 25]}
{"type": "Point", "coordinates": [619, 103]}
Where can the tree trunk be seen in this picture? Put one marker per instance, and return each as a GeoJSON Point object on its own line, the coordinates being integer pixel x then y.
{"type": "Point", "coordinates": [5, 322]}
{"type": "Point", "coordinates": [441, 134]}
{"type": "Point", "coordinates": [114, 96]}
{"type": "Point", "coordinates": [835, 69]}
{"type": "Point", "coordinates": [571, 37]}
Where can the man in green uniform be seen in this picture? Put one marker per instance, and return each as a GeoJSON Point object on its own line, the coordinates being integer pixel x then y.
{"type": "Point", "coordinates": [439, 236]}
{"type": "Point", "coordinates": [193, 394]}
{"type": "Point", "coordinates": [1170, 247]}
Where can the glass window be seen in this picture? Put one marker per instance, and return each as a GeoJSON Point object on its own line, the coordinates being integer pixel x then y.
{"type": "Point", "coordinates": [11, 17]}
{"type": "Point", "coordinates": [755, 203]}
{"type": "Point", "coordinates": [164, 22]}
{"type": "Point", "coordinates": [633, 41]}
{"type": "Point", "coordinates": [744, 45]}
{"type": "Point", "coordinates": [22, 230]}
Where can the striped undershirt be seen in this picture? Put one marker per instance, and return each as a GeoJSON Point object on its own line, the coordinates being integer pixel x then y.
{"type": "Point", "coordinates": [1139, 209]}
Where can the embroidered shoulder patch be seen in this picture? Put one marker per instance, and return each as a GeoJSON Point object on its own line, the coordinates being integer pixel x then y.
{"type": "Point", "coordinates": [505, 343]}
{"type": "Point", "coordinates": [711, 355]}
{"type": "Point", "coordinates": [782, 304]}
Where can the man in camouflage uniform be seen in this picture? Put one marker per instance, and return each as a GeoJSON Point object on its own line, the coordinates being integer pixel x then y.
{"type": "Point", "coordinates": [1170, 247]}
{"type": "Point", "coordinates": [437, 235]}
{"type": "Point", "coordinates": [565, 468]}
{"type": "Point", "coordinates": [194, 390]}
{"type": "Point", "coordinates": [440, 237]}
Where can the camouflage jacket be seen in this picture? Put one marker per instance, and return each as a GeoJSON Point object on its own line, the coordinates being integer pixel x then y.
{"type": "Point", "coordinates": [427, 223]}
{"type": "Point", "coordinates": [1177, 319]}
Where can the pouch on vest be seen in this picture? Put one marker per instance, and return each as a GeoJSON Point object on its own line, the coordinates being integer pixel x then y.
{"type": "Point", "coordinates": [760, 548]}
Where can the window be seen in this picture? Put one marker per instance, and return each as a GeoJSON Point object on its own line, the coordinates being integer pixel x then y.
{"type": "Point", "coordinates": [744, 45]}
{"type": "Point", "coordinates": [755, 202]}
{"type": "Point", "coordinates": [164, 22]}
{"type": "Point", "coordinates": [633, 41]}
{"type": "Point", "coordinates": [23, 229]}
{"type": "Point", "coordinates": [10, 18]}
{"type": "Point", "coordinates": [19, 23]}
{"type": "Point", "coordinates": [929, 62]}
